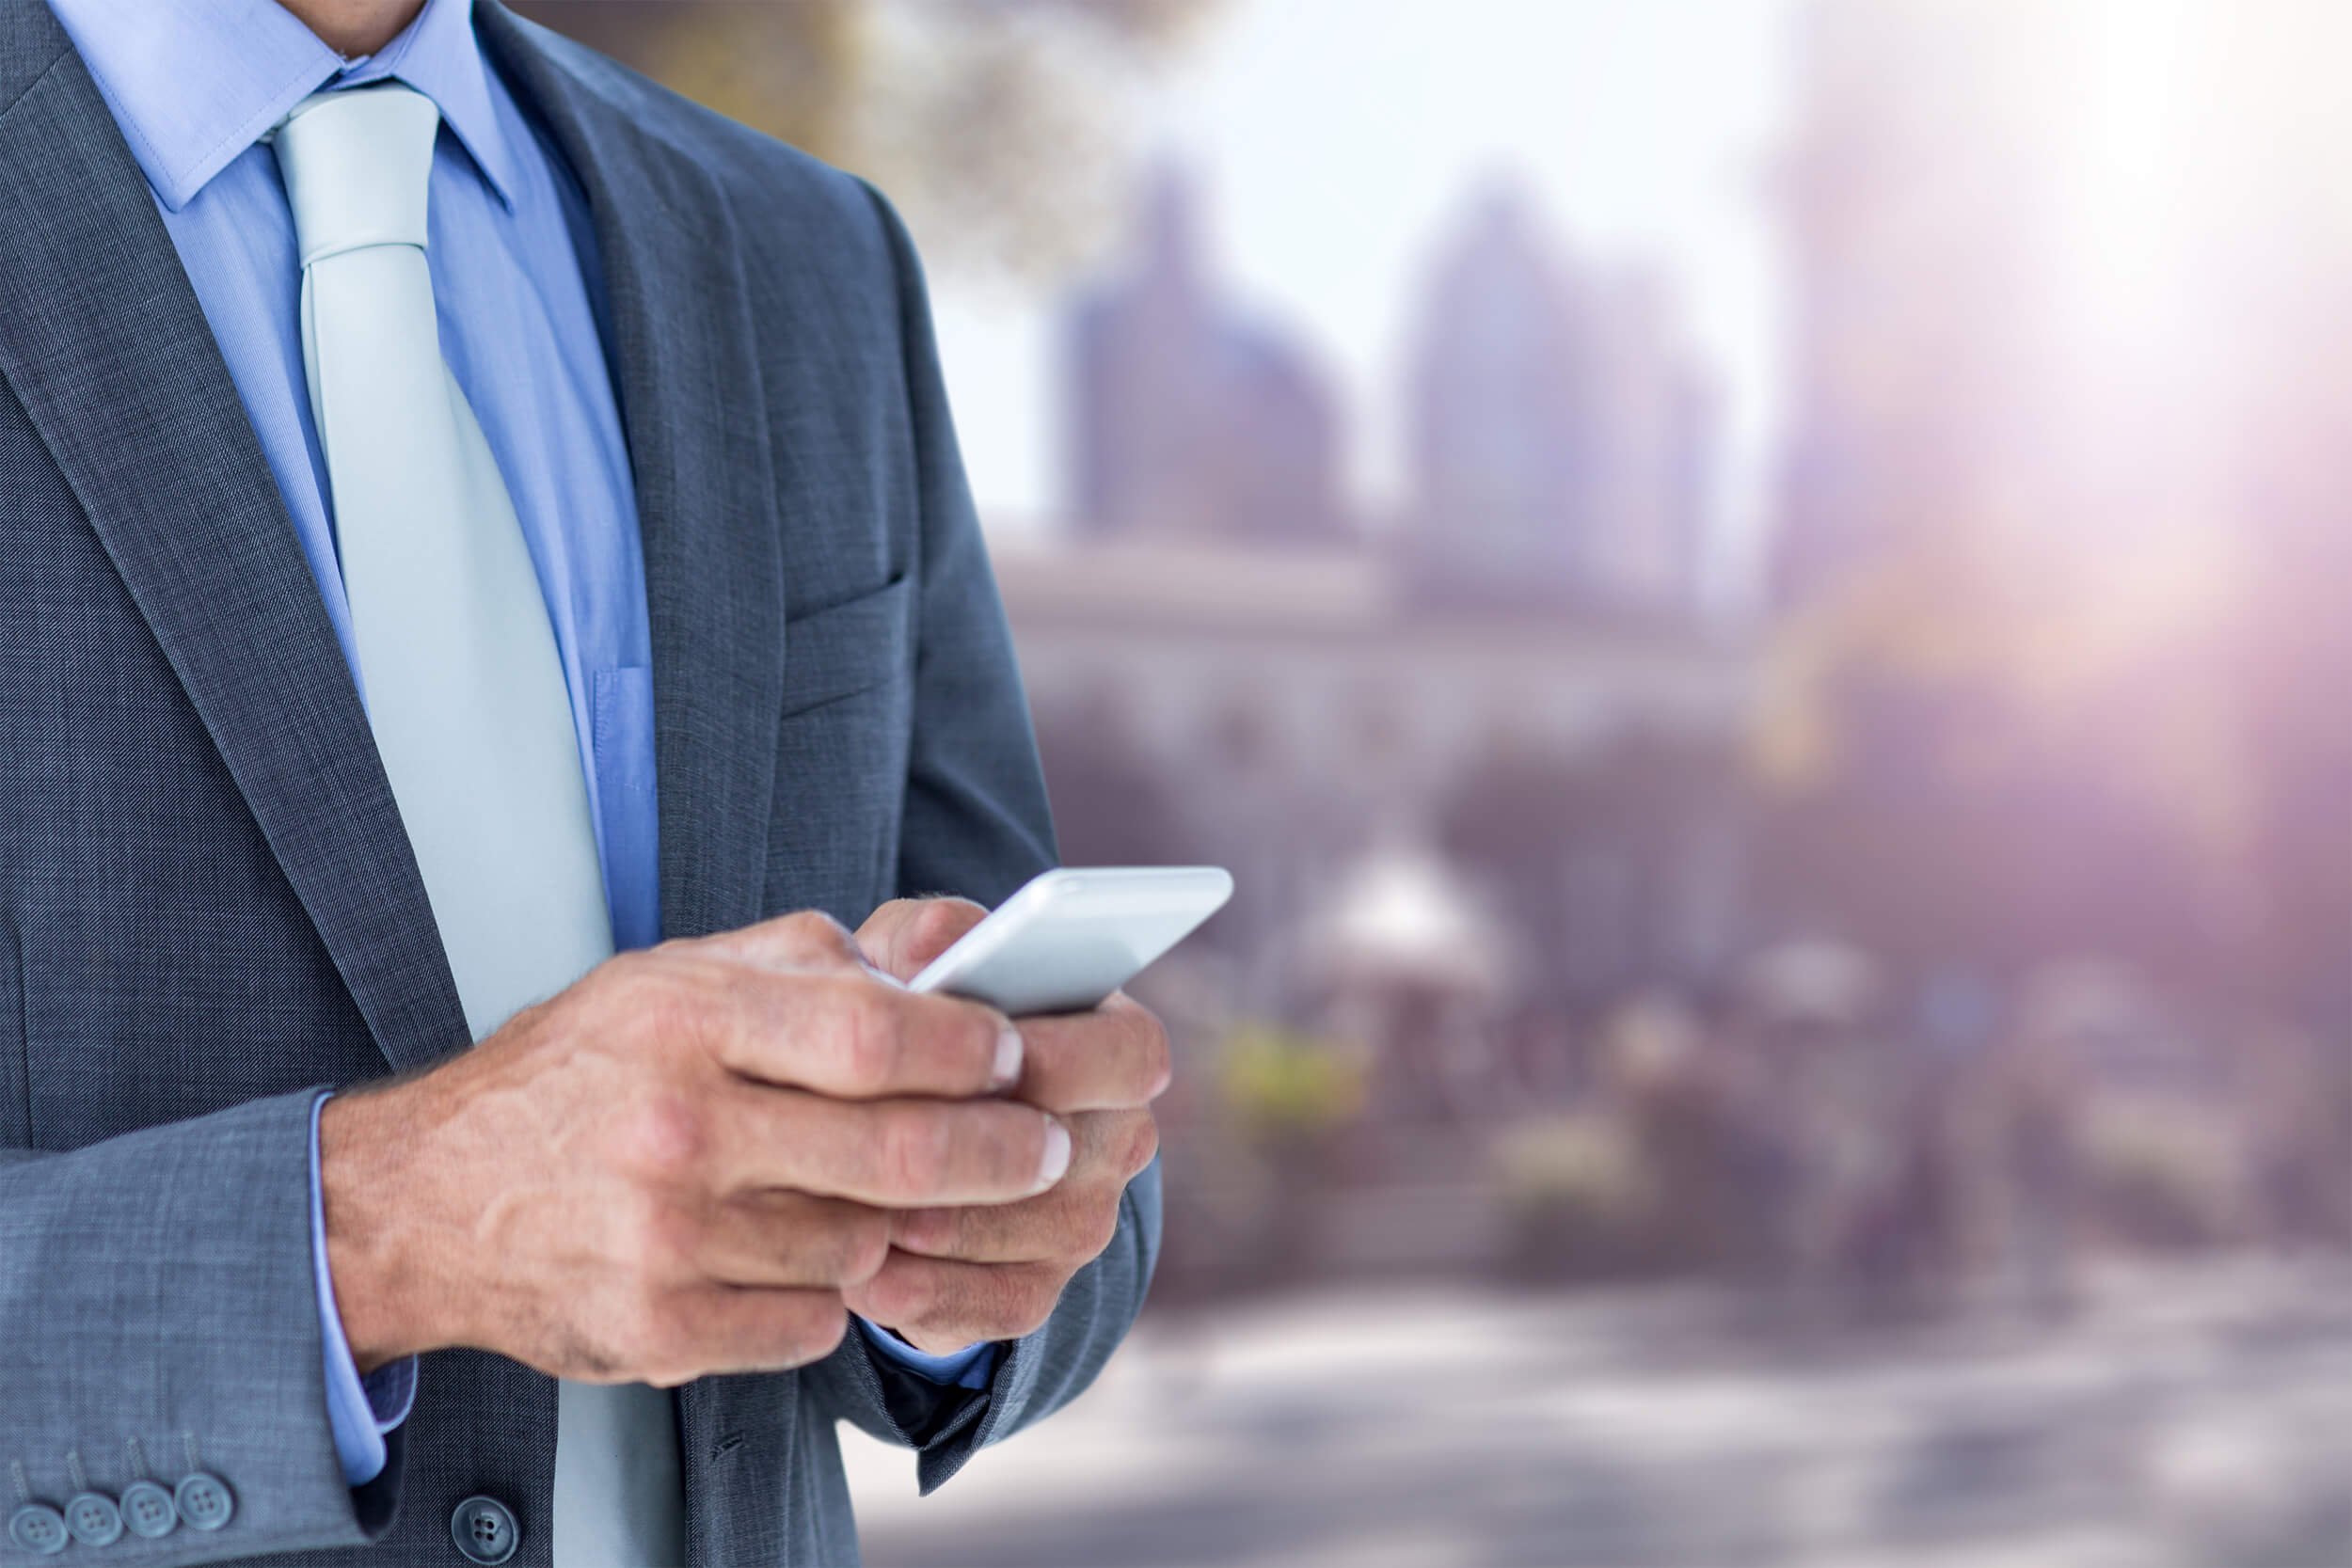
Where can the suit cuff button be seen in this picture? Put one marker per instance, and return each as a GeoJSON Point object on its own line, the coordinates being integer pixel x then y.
{"type": "Point", "coordinates": [148, 1510]}
{"type": "Point", "coordinates": [204, 1502]}
{"type": "Point", "coordinates": [38, 1527]}
{"type": "Point", "coordinates": [93, 1519]}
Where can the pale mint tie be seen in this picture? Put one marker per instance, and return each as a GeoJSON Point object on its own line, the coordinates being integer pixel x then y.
{"type": "Point", "coordinates": [463, 685]}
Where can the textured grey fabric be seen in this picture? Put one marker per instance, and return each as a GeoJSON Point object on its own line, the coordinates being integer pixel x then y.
{"type": "Point", "coordinates": [207, 906]}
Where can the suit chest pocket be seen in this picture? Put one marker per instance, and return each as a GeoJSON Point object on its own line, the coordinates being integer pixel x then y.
{"type": "Point", "coordinates": [848, 647]}
{"type": "Point", "coordinates": [842, 751]}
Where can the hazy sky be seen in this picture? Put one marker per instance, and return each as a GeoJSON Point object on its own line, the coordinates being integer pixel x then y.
{"type": "Point", "coordinates": [1337, 140]}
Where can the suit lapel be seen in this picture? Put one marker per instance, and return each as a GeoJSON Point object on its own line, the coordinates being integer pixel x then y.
{"type": "Point", "coordinates": [116, 366]}
{"type": "Point", "coordinates": [707, 487]}
{"type": "Point", "coordinates": [121, 375]}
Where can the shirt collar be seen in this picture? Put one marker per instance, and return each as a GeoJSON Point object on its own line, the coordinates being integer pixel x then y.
{"type": "Point", "coordinates": [194, 83]}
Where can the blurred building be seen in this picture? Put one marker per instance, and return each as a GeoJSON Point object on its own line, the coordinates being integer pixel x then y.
{"type": "Point", "coordinates": [1917, 193]}
{"type": "Point", "coordinates": [1562, 445]}
{"type": "Point", "coordinates": [1476, 772]}
{"type": "Point", "coordinates": [1187, 417]}
{"type": "Point", "coordinates": [1288, 712]}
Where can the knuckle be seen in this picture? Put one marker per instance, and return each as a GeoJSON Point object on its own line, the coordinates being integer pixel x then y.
{"type": "Point", "coordinates": [1025, 1310]}
{"type": "Point", "coordinates": [1143, 1144]}
{"type": "Point", "coordinates": [874, 1036]}
{"type": "Point", "coordinates": [818, 932]}
{"type": "Point", "coordinates": [914, 1144]}
{"type": "Point", "coordinates": [1100, 1225]}
{"type": "Point", "coordinates": [930, 1230]}
{"type": "Point", "coordinates": [1155, 1054]}
{"type": "Point", "coordinates": [897, 1296]}
{"type": "Point", "coordinates": [865, 1246]}
{"type": "Point", "coordinates": [666, 1137]}
{"type": "Point", "coordinates": [814, 1325]}
{"type": "Point", "coordinates": [939, 921]}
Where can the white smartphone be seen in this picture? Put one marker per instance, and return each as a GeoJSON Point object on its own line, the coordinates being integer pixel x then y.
{"type": "Point", "coordinates": [1073, 936]}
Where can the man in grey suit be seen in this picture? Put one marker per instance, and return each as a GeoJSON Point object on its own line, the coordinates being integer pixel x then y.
{"type": "Point", "coordinates": [466, 513]}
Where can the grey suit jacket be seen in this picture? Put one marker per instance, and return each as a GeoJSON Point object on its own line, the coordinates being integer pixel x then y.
{"type": "Point", "coordinates": [208, 908]}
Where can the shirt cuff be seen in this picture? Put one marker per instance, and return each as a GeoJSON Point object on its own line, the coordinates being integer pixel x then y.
{"type": "Point", "coordinates": [968, 1367]}
{"type": "Point", "coordinates": [361, 1410]}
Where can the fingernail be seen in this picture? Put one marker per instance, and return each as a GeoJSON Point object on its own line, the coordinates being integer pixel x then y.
{"type": "Point", "coordinates": [1056, 1159]}
{"type": "Point", "coordinates": [1006, 1070]}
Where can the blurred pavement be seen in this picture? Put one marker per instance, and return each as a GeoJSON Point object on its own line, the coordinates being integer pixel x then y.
{"type": "Point", "coordinates": [2199, 1415]}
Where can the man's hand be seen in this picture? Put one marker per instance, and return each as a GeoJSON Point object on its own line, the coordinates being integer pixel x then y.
{"type": "Point", "coordinates": [677, 1166]}
{"type": "Point", "coordinates": [965, 1272]}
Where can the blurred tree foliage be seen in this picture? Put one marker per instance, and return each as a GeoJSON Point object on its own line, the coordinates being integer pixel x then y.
{"type": "Point", "coordinates": [994, 124]}
{"type": "Point", "coordinates": [1287, 1088]}
{"type": "Point", "coordinates": [1578, 1196]}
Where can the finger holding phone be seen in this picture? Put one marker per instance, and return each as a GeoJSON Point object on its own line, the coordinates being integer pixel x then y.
{"type": "Point", "coordinates": [959, 1274]}
{"type": "Point", "coordinates": [675, 1167]}
{"type": "Point", "coordinates": [700, 1156]}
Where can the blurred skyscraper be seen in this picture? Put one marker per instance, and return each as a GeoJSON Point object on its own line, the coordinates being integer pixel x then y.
{"type": "Point", "coordinates": [1188, 417]}
{"type": "Point", "coordinates": [1309, 710]}
{"type": "Point", "coordinates": [1562, 446]}
{"type": "Point", "coordinates": [1919, 199]}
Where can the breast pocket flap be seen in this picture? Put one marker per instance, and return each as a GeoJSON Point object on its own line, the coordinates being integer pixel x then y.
{"type": "Point", "coordinates": [847, 648]}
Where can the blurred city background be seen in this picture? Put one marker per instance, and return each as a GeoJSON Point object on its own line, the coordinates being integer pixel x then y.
{"type": "Point", "coordinates": [1756, 592]}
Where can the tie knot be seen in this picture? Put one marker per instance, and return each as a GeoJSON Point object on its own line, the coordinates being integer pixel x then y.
{"type": "Point", "coordinates": [356, 166]}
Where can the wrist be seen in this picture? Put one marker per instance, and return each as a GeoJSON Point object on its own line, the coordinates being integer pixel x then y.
{"type": "Point", "coordinates": [379, 1221]}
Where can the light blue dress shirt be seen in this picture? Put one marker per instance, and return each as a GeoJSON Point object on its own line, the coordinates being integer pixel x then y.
{"type": "Point", "coordinates": [196, 86]}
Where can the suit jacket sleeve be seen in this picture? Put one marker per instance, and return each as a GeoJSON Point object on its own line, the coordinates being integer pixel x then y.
{"type": "Point", "coordinates": [976, 824]}
{"type": "Point", "coordinates": [158, 1286]}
